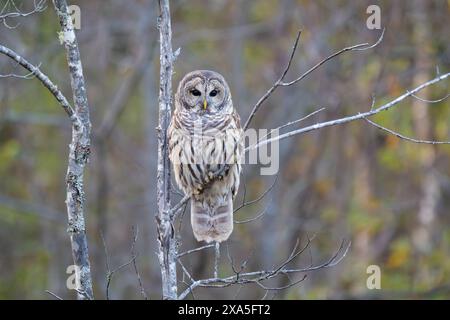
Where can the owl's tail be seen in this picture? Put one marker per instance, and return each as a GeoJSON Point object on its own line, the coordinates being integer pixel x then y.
{"type": "Point", "coordinates": [212, 222]}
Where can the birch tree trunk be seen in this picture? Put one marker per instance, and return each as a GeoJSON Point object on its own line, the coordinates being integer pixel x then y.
{"type": "Point", "coordinates": [167, 245]}
{"type": "Point", "coordinates": [78, 156]}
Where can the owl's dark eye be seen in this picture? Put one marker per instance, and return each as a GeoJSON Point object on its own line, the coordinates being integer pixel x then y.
{"type": "Point", "coordinates": [196, 93]}
{"type": "Point", "coordinates": [213, 93]}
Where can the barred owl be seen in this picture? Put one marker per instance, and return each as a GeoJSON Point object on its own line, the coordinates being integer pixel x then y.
{"type": "Point", "coordinates": [205, 138]}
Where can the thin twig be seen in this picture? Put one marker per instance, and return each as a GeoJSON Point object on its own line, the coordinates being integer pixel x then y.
{"type": "Point", "coordinates": [136, 270]}
{"type": "Point", "coordinates": [110, 273]}
{"type": "Point", "coordinates": [279, 82]}
{"type": "Point", "coordinates": [262, 275]}
{"type": "Point", "coordinates": [45, 81]}
{"type": "Point", "coordinates": [275, 85]}
{"type": "Point", "coordinates": [293, 122]}
{"type": "Point", "coordinates": [247, 203]}
{"type": "Point", "coordinates": [195, 250]}
{"type": "Point", "coordinates": [258, 216]}
{"type": "Point", "coordinates": [358, 47]}
{"type": "Point", "coordinates": [175, 209]}
{"type": "Point", "coordinates": [38, 7]}
{"type": "Point", "coordinates": [54, 295]}
{"type": "Point", "coordinates": [431, 101]}
{"type": "Point", "coordinates": [399, 135]}
{"type": "Point", "coordinates": [358, 116]}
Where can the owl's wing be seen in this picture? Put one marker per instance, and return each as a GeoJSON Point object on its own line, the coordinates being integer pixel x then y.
{"type": "Point", "coordinates": [236, 118]}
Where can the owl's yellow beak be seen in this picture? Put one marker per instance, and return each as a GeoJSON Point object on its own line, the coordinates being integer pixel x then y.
{"type": "Point", "coordinates": [205, 104]}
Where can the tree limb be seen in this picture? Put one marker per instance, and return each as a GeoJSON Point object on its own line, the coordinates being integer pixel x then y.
{"type": "Point", "coordinates": [80, 148]}
{"type": "Point", "coordinates": [358, 116]}
{"type": "Point", "coordinates": [167, 246]}
{"type": "Point", "coordinates": [45, 81]}
{"type": "Point", "coordinates": [280, 81]}
{"type": "Point", "coordinates": [257, 277]}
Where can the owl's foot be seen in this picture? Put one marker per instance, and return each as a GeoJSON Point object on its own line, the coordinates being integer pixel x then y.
{"type": "Point", "coordinates": [212, 176]}
{"type": "Point", "coordinates": [198, 190]}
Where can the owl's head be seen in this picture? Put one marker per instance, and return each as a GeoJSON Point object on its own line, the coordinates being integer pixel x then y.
{"type": "Point", "coordinates": [203, 92]}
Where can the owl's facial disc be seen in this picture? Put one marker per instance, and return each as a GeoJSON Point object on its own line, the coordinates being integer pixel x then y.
{"type": "Point", "coordinates": [215, 95]}
{"type": "Point", "coordinates": [194, 93]}
{"type": "Point", "coordinates": [204, 92]}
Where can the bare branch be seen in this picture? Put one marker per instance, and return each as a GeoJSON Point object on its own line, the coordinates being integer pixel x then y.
{"type": "Point", "coordinates": [280, 82]}
{"type": "Point", "coordinates": [167, 246]}
{"type": "Point", "coordinates": [136, 270]}
{"type": "Point", "coordinates": [39, 6]}
{"type": "Point", "coordinates": [275, 85]}
{"type": "Point", "coordinates": [247, 203]}
{"type": "Point", "coordinates": [80, 149]}
{"type": "Point", "coordinates": [358, 47]}
{"type": "Point", "coordinates": [293, 122]}
{"type": "Point", "coordinates": [110, 273]}
{"type": "Point", "coordinates": [399, 135]}
{"type": "Point", "coordinates": [27, 76]}
{"type": "Point", "coordinates": [54, 295]}
{"type": "Point", "coordinates": [259, 276]}
{"type": "Point", "coordinates": [358, 116]}
{"type": "Point", "coordinates": [258, 216]}
{"type": "Point", "coordinates": [45, 81]}
{"type": "Point", "coordinates": [195, 250]}
{"type": "Point", "coordinates": [291, 284]}
{"type": "Point", "coordinates": [174, 211]}
{"type": "Point", "coordinates": [431, 101]}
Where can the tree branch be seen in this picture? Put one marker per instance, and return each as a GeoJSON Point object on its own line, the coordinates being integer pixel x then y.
{"type": "Point", "coordinates": [80, 148]}
{"type": "Point", "coordinates": [257, 277]}
{"type": "Point", "coordinates": [45, 81]}
{"type": "Point", "coordinates": [358, 116]}
{"type": "Point", "coordinates": [167, 246]}
{"type": "Point", "coordinates": [39, 6]}
{"type": "Point", "coordinates": [399, 135]}
{"type": "Point", "coordinates": [275, 85]}
{"type": "Point", "coordinates": [280, 81]}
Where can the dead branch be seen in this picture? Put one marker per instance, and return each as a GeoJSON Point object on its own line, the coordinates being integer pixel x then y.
{"type": "Point", "coordinates": [134, 258]}
{"type": "Point", "coordinates": [399, 135]}
{"type": "Point", "coordinates": [38, 6]}
{"type": "Point", "coordinates": [257, 277]}
{"type": "Point", "coordinates": [110, 273]}
{"type": "Point", "coordinates": [80, 148]}
{"type": "Point", "coordinates": [44, 79]}
{"type": "Point", "coordinates": [358, 116]}
{"type": "Point", "coordinates": [195, 250]}
{"type": "Point", "coordinates": [280, 81]}
{"type": "Point", "coordinates": [167, 246]}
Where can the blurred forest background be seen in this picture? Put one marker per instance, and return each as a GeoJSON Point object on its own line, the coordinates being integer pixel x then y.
{"type": "Point", "coordinates": [390, 197]}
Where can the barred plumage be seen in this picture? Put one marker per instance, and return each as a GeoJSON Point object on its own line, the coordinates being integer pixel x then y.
{"type": "Point", "coordinates": [204, 135]}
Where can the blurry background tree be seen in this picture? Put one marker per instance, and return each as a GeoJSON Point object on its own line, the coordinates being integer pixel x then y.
{"type": "Point", "coordinates": [389, 196]}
